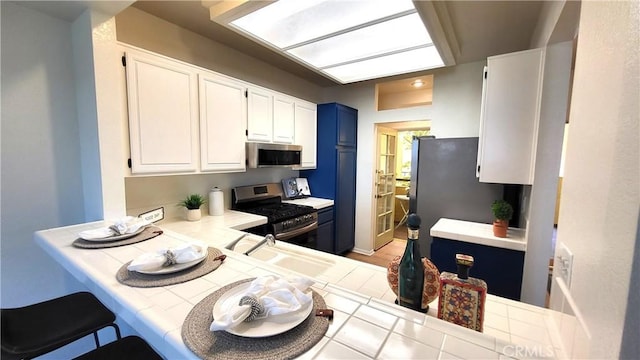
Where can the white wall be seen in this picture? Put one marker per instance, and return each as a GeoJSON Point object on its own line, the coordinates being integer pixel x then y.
{"type": "Point", "coordinates": [542, 198]}
{"type": "Point", "coordinates": [601, 188]}
{"type": "Point", "coordinates": [41, 171]}
{"type": "Point", "coordinates": [455, 112]}
{"type": "Point", "coordinates": [101, 95]}
{"type": "Point", "coordinates": [41, 181]}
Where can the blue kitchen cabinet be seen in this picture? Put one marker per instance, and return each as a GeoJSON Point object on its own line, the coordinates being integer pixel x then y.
{"type": "Point", "coordinates": [326, 237]}
{"type": "Point", "coordinates": [335, 173]}
{"type": "Point", "coordinates": [500, 268]}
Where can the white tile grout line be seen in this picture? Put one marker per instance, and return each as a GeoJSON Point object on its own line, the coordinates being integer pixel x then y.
{"type": "Point", "coordinates": [387, 338]}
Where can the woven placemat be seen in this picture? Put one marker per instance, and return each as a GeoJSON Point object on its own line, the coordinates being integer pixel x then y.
{"type": "Point", "coordinates": [223, 345]}
{"type": "Point", "coordinates": [148, 233]}
{"type": "Point", "coordinates": [136, 279]}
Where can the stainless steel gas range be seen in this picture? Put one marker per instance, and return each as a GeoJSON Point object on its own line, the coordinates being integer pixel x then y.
{"type": "Point", "coordinates": [291, 223]}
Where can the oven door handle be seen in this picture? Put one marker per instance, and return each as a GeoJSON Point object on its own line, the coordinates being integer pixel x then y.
{"type": "Point", "coordinates": [296, 232]}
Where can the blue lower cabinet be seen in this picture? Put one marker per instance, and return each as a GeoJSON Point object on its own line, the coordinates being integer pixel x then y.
{"type": "Point", "coordinates": [325, 230]}
{"type": "Point", "coordinates": [500, 268]}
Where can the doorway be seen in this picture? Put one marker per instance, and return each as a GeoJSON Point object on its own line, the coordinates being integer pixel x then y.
{"type": "Point", "coordinates": [391, 183]}
{"type": "Point", "coordinates": [385, 183]}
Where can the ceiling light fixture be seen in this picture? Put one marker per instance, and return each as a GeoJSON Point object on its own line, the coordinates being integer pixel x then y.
{"type": "Point", "coordinates": [347, 41]}
{"type": "Point", "coordinates": [417, 83]}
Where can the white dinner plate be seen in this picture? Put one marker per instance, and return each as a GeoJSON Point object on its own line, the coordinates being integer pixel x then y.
{"type": "Point", "coordinates": [116, 237]}
{"type": "Point", "coordinates": [262, 327]}
{"type": "Point", "coordinates": [174, 268]}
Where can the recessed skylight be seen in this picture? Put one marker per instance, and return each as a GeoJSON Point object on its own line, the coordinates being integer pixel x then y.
{"type": "Point", "coordinates": [348, 41]}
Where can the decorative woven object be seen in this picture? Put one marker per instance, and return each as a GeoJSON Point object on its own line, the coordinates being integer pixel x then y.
{"type": "Point", "coordinates": [431, 280]}
{"type": "Point", "coordinates": [136, 279]}
{"type": "Point", "coordinates": [225, 346]}
{"type": "Point", "coordinates": [462, 297]}
{"type": "Point", "coordinates": [148, 233]}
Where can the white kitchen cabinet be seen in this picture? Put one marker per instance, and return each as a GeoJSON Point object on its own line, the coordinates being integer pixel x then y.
{"type": "Point", "coordinates": [306, 121]}
{"type": "Point", "coordinates": [283, 119]}
{"type": "Point", "coordinates": [222, 123]}
{"type": "Point", "coordinates": [259, 114]}
{"type": "Point", "coordinates": [510, 116]}
{"type": "Point", "coordinates": [163, 114]}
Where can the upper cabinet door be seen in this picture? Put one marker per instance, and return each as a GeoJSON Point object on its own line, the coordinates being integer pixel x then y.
{"type": "Point", "coordinates": [222, 123]}
{"type": "Point", "coordinates": [306, 121]}
{"type": "Point", "coordinates": [347, 126]}
{"type": "Point", "coordinates": [510, 117]}
{"type": "Point", "coordinates": [163, 114]}
{"type": "Point", "coordinates": [283, 119]}
{"type": "Point", "coordinates": [260, 115]}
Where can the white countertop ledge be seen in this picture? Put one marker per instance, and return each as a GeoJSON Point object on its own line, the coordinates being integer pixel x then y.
{"type": "Point", "coordinates": [366, 325]}
{"type": "Point", "coordinates": [478, 233]}
{"type": "Point", "coordinates": [316, 203]}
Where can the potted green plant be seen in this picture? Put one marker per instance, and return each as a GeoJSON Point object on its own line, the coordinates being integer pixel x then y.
{"type": "Point", "coordinates": [193, 203]}
{"type": "Point", "coordinates": [502, 213]}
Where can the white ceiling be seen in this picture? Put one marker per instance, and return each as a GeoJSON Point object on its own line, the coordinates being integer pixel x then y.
{"type": "Point", "coordinates": [70, 10]}
{"type": "Point", "coordinates": [480, 28]}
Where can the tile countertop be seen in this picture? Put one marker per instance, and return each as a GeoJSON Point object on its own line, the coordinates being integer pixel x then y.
{"type": "Point", "coordinates": [366, 323]}
{"type": "Point", "coordinates": [478, 233]}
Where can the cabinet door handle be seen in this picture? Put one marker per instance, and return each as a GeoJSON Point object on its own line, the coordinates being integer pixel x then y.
{"type": "Point", "coordinates": [478, 168]}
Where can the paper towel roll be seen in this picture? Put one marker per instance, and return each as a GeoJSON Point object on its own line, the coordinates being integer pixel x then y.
{"type": "Point", "coordinates": [216, 202]}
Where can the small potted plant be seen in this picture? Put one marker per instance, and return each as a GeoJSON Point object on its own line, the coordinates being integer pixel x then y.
{"type": "Point", "coordinates": [502, 213]}
{"type": "Point", "coordinates": [193, 203]}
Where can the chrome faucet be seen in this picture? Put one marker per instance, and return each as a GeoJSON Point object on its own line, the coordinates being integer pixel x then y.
{"type": "Point", "coordinates": [269, 240]}
{"type": "Point", "coordinates": [232, 245]}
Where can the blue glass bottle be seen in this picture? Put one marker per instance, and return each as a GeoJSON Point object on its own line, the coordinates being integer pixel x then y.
{"type": "Point", "coordinates": [411, 269]}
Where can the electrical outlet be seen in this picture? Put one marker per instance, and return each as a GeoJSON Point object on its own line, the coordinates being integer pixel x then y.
{"type": "Point", "coordinates": [154, 215]}
{"type": "Point", "coordinates": [564, 263]}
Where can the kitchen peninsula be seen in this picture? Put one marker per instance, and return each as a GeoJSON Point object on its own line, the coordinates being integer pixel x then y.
{"type": "Point", "coordinates": [366, 323]}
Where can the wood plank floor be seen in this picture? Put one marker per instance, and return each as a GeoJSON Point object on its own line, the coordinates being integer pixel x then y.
{"type": "Point", "coordinates": [385, 254]}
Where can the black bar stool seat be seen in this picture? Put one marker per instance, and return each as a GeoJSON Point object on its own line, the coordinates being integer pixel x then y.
{"type": "Point", "coordinates": [127, 348]}
{"type": "Point", "coordinates": [37, 329]}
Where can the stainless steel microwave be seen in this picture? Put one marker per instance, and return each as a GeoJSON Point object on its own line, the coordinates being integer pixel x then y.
{"type": "Point", "coordinates": [273, 155]}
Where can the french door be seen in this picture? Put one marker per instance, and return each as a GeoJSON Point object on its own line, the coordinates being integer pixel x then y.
{"type": "Point", "coordinates": [385, 184]}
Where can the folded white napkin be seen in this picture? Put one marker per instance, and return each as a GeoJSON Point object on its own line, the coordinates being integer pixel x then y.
{"type": "Point", "coordinates": [160, 258]}
{"type": "Point", "coordinates": [277, 296]}
{"type": "Point", "coordinates": [126, 225]}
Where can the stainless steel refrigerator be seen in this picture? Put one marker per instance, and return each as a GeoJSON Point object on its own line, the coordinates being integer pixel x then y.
{"type": "Point", "coordinates": [444, 184]}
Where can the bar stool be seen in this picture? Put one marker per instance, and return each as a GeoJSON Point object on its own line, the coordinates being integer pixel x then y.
{"type": "Point", "coordinates": [127, 348]}
{"type": "Point", "coordinates": [37, 329]}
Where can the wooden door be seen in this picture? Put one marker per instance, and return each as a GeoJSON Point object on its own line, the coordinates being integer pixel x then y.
{"type": "Point", "coordinates": [163, 114]}
{"type": "Point", "coordinates": [283, 119]}
{"type": "Point", "coordinates": [222, 124]}
{"type": "Point", "coordinates": [306, 128]}
{"type": "Point", "coordinates": [385, 184]}
{"type": "Point", "coordinates": [260, 115]}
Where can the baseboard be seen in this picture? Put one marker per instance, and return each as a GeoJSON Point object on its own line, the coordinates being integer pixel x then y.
{"type": "Point", "coordinates": [363, 252]}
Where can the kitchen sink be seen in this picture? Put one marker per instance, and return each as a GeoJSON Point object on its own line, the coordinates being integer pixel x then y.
{"type": "Point", "coordinates": [285, 258]}
{"type": "Point", "coordinates": [308, 267]}
{"type": "Point", "coordinates": [263, 253]}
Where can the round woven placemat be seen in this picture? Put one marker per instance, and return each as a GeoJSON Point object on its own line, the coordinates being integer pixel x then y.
{"type": "Point", "coordinates": [136, 279]}
{"type": "Point", "coordinates": [148, 233]}
{"type": "Point", "coordinates": [222, 345]}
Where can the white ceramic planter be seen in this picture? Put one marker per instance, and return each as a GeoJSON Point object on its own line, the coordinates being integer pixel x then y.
{"type": "Point", "coordinates": [194, 214]}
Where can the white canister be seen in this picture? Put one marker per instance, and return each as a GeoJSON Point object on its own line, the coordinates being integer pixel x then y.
{"type": "Point", "coordinates": [216, 202]}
